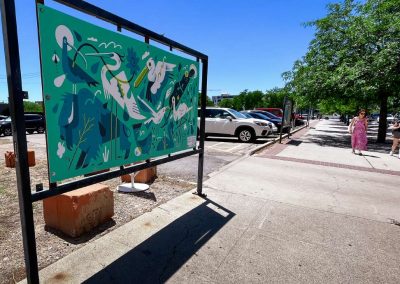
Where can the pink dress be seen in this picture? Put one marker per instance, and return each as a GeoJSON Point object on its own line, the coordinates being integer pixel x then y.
{"type": "Point", "coordinates": [359, 136]}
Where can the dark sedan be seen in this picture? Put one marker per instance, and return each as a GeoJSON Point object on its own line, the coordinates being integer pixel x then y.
{"type": "Point", "coordinates": [272, 116]}
{"type": "Point", "coordinates": [257, 114]}
{"type": "Point", "coordinates": [33, 122]}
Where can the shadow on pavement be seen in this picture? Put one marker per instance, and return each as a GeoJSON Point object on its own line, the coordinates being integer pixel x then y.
{"type": "Point", "coordinates": [163, 254]}
{"type": "Point", "coordinates": [294, 142]}
{"type": "Point", "coordinates": [344, 141]}
{"type": "Point", "coordinates": [330, 131]}
{"type": "Point", "coordinates": [371, 156]}
{"type": "Point", "coordinates": [341, 139]}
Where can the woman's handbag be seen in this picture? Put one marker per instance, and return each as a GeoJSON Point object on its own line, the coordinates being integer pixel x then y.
{"type": "Point", "coordinates": [350, 128]}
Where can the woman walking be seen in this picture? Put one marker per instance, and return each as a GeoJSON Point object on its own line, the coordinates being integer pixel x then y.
{"type": "Point", "coordinates": [396, 137]}
{"type": "Point", "coordinates": [358, 130]}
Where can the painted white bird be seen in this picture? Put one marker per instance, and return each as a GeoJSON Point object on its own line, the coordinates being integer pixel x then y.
{"type": "Point", "coordinates": [181, 111]}
{"type": "Point", "coordinates": [118, 86]}
{"type": "Point", "coordinates": [156, 116]}
{"type": "Point", "coordinates": [157, 73]}
{"type": "Point", "coordinates": [72, 72]}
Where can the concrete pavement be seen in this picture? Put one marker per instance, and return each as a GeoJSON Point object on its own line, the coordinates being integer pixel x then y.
{"type": "Point", "coordinates": [294, 213]}
{"type": "Point", "coordinates": [329, 142]}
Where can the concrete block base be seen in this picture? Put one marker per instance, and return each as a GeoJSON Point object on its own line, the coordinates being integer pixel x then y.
{"type": "Point", "coordinates": [9, 158]}
{"type": "Point", "coordinates": [144, 176]}
{"type": "Point", "coordinates": [79, 211]}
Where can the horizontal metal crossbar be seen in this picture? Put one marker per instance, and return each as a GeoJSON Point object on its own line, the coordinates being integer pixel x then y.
{"type": "Point", "coordinates": [66, 187]}
{"type": "Point", "coordinates": [123, 23]}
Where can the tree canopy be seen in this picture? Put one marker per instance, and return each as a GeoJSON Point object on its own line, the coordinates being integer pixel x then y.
{"type": "Point", "coordinates": [252, 99]}
{"type": "Point", "coordinates": [354, 59]}
{"type": "Point", "coordinates": [209, 102]}
{"type": "Point", "coordinates": [32, 107]}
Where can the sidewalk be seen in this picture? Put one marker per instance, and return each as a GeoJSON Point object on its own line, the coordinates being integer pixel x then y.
{"type": "Point", "coordinates": [277, 217]}
{"type": "Point", "coordinates": [329, 143]}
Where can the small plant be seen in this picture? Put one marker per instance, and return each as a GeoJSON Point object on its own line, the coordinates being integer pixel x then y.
{"type": "Point", "coordinates": [87, 125]}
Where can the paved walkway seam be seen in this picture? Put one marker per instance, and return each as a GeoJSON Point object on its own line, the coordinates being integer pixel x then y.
{"type": "Point", "coordinates": [332, 165]}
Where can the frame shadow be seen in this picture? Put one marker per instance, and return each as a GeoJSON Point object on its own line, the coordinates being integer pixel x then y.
{"type": "Point", "coordinates": [163, 254]}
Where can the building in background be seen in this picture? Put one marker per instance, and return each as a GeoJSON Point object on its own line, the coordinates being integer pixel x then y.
{"type": "Point", "coordinates": [217, 99]}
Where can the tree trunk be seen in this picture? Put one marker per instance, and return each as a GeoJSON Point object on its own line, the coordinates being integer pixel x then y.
{"type": "Point", "coordinates": [383, 96]}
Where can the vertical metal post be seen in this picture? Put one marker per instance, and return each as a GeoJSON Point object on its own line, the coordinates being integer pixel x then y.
{"type": "Point", "coordinates": [283, 119]}
{"type": "Point", "coordinates": [292, 119]}
{"type": "Point", "coordinates": [202, 126]}
{"type": "Point", "coordinates": [11, 50]}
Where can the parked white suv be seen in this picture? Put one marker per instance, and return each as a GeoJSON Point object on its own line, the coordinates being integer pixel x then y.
{"type": "Point", "coordinates": [229, 122]}
{"type": "Point", "coordinates": [389, 118]}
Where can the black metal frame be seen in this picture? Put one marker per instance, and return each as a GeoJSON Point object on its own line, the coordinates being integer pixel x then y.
{"type": "Point", "coordinates": [285, 100]}
{"type": "Point", "coordinates": [16, 95]}
{"type": "Point", "coordinates": [283, 119]}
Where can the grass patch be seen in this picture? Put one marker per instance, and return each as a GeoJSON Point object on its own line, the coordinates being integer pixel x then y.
{"type": "Point", "coordinates": [2, 191]}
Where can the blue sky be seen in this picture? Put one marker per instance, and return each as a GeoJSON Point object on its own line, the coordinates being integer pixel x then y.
{"type": "Point", "coordinates": [249, 43]}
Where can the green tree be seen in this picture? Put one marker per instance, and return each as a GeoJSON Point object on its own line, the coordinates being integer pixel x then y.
{"type": "Point", "coordinates": [254, 99]}
{"type": "Point", "coordinates": [226, 103]}
{"type": "Point", "coordinates": [32, 107]}
{"type": "Point", "coordinates": [209, 102]}
{"type": "Point", "coordinates": [245, 100]}
{"type": "Point", "coordinates": [275, 97]}
{"type": "Point", "coordinates": [354, 59]}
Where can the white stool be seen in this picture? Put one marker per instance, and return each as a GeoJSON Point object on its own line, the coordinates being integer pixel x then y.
{"type": "Point", "coordinates": [132, 186]}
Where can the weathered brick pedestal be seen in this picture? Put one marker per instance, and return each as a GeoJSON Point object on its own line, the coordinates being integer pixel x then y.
{"type": "Point", "coordinates": [9, 158]}
{"type": "Point", "coordinates": [79, 211]}
{"type": "Point", "coordinates": [144, 176]}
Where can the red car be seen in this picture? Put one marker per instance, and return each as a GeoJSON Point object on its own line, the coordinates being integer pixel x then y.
{"type": "Point", "coordinates": [275, 111]}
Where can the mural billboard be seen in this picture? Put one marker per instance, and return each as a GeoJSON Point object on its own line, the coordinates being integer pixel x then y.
{"type": "Point", "coordinates": [109, 99]}
{"type": "Point", "coordinates": [287, 112]}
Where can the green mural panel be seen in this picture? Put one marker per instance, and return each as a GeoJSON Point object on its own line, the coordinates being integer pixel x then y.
{"type": "Point", "coordinates": [288, 112]}
{"type": "Point", "coordinates": [111, 100]}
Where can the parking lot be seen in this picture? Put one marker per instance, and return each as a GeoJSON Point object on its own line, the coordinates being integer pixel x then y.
{"type": "Point", "coordinates": [232, 145]}
{"type": "Point", "coordinates": [212, 144]}
{"type": "Point", "coordinates": [219, 151]}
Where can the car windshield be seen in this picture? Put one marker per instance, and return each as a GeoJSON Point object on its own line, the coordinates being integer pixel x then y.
{"type": "Point", "coordinates": [268, 114]}
{"type": "Point", "coordinates": [246, 115]}
{"type": "Point", "coordinates": [236, 113]}
{"type": "Point", "coordinates": [262, 116]}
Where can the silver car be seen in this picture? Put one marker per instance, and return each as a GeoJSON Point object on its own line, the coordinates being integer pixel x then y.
{"type": "Point", "coordinates": [229, 122]}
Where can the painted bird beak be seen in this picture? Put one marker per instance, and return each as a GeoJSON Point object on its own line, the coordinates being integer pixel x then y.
{"type": "Point", "coordinates": [141, 76]}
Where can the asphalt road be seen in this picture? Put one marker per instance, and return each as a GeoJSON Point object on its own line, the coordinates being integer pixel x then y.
{"type": "Point", "coordinates": [218, 152]}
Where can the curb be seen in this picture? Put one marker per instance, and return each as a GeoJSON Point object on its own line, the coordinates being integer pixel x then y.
{"type": "Point", "coordinates": [251, 153]}
{"type": "Point", "coordinates": [223, 168]}
{"type": "Point", "coordinates": [263, 146]}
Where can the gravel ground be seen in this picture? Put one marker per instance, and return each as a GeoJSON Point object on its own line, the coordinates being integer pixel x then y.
{"type": "Point", "coordinates": [53, 245]}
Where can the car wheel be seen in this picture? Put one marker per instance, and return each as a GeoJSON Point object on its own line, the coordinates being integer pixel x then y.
{"type": "Point", "coordinates": [30, 131]}
{"type": "Point", "coordinates": [7, 132]}
{"type": "Point", "coordinates": [40, 129]}
{"type": "Point", "coordinates": [246, 135]}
